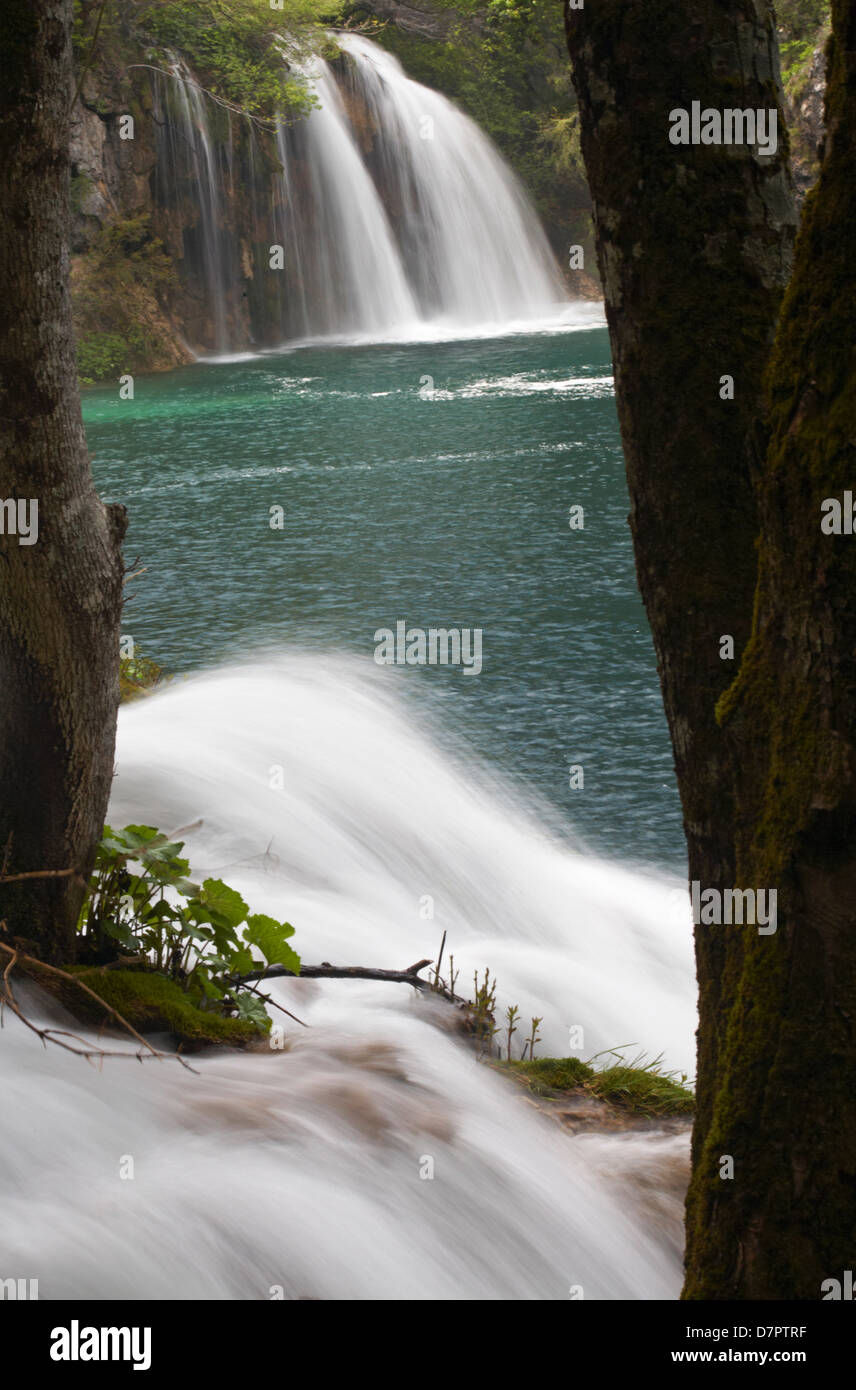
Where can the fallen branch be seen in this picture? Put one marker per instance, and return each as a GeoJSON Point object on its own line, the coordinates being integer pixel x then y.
{"type": "Point", "coordinates": [36, 873]}
{"type": "Point", "coordinates": [326, 971]}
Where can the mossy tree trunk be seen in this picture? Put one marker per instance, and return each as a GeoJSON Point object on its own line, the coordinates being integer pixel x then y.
{"type": "Point", "coordinates": [784, 1102]}
{"type": "Point", "coordinates": [694, 246]}
{"type": "Point", "coordinates": [61, 590]}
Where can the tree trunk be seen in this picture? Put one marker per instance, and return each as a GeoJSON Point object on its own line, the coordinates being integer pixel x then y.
{"type": "Point", "coordinates": [60, 593]}
{"type": "Point", "coordinates": [784, 1103]}
{"type": "Point", "coordinates": [694, 247]}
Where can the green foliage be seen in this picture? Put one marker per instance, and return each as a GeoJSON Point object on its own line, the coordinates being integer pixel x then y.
{"type": "Point", "coordinates": [799, 24]}
{"type": "Point", "coordinates": [642, 1086]}
{"type": "Point", "coordinates": [510, 1027]}
{"type": "Point", "coordinates": [99, 356]}
{"type": "Point", "coordinates": [801, 19]}
{"type": "Point", "coordinates": [559, 136]}
{"type": "Point", "coordinates": [115, 296]}
{"type": "Point", "coordinates": [141, 900]}
{"type": "Point", "coordinates": [533, 1039]}
{"type": "Point", "coordinates": [233, 46]}
{"type": "Point", "coordinates": [81, 186]}
{"type": "Point", "coordinates": [128, 252]}
{"type": "Point", "coordinates": [548, 1074]}
{"type": "Point", "coordinates": [138, 675]}
{"type": "Point", "coordinates": [796, 56]}
{"type": "Point", "coordinates": [636, 1085]}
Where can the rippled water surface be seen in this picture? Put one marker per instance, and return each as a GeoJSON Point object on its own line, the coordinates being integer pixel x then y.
{"type": "Point", "coordinates": [429, 483]}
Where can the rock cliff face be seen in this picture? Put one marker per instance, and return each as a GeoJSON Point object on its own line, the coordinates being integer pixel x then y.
{"type": "Point", "coordinates": [111, 177]}
{"type": "Point", "coordinates": [129, 314]}
{"type": "Point", "coordinates": [143, 235]}
{"type": "Point", "coordinates": [806, 102]}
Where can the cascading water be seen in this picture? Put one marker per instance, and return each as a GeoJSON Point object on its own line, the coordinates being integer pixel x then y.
{"type": "Point", "coordinates": [348, 268]}
{"type": "Point", "coordinates": [188, 153]}
{"type": "Point", "coordinates": [396, 215]}
{"type": "Point", "coordinates": [301, 1168]}
{"type": "Point", "coordinates": [470, 240]}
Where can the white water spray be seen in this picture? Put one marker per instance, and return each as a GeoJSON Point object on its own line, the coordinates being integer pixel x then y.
{"type": "Point", "coordinates": [469, 236]}
{"type": "Point", "coordinates": [302, 1168]}
{"type": "Point", "coordinates": [348, 268]}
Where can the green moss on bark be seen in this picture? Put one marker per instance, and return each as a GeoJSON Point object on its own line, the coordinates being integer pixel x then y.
{"type": "Point", "coordinates": [784, 1107]}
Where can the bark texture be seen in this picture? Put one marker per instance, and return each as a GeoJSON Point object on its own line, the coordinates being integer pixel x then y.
{"type": "Point", "coordinates": [694, 247]}
{"type": "Point", "coordinates": [784, 1102]}
{"type": "Point", "coordinates": [60, 597]}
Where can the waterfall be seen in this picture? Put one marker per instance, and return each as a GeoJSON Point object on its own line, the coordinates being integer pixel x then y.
{"type": "Point", "coordinates": [472, 244]}
{"type": "Point", "coordinates": [301, 1168]}
{"type": "Point", "coordinates": [349, 271]}
{"type": "Point", "coordinates": [189, 169]}
{"type": "Point", "coordinates": [397, 216]}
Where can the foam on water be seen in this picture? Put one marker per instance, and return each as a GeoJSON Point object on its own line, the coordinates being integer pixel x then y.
{"type": "Point", "coordinates": [301, 1167]}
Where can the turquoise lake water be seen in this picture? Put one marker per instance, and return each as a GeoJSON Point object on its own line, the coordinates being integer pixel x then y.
{"type": "Point", "coordinates": [425, 483]}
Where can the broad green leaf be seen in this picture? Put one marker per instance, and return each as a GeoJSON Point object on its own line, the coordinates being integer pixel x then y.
{"type": "Point", "coordinates": [250, 1008]}
{"type": "Point", "coordinates": [271, 937]}
{"type": "Point", "coordinates": [224, 904]}
{"type": "Point", "coordinates": [242, 961]}
{"type": "Point", "coordinates": [121, 933]}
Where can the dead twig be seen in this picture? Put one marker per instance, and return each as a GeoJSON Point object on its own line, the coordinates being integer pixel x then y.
{"type": "Point", "coordinates": [55, 1035]}
{"type": "Point", "coordinates": [439, 962]}
{"type": "Point", "coordinates": [254, 989]}
{"type": "Point", "coordinates": [326, 971]}
{"type": "Point", "coordinates": [37, 873]}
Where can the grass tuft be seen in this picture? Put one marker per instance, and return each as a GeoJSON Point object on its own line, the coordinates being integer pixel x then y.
{"type": "Point", "coordinates": [640, 1086]}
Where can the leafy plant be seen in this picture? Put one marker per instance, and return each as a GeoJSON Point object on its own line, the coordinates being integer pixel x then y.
{"type": "Point", "coordinates": [138, 675]}
{"type": "Point", "coordinates": [534, 1037]}
{"type": "Point", "coordinates": [116, 290]}
{"type": "Point", "coordinates": [235, 46]}
{"type": "Point", "coordinates": [142, 900]}
{"type": "Point", "coordinates": [100, 355]}
{"type": "Point", "coordinates": [483, 1006]}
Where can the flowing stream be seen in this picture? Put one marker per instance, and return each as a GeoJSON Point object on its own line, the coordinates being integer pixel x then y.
{"type": "Point", "coordinates": [303, 1169]}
